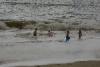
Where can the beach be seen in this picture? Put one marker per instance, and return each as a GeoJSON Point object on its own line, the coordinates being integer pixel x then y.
{"type": "Point", "coordinates": [75, 64]}
{"type": "Point", "coordinates": [19, 48]}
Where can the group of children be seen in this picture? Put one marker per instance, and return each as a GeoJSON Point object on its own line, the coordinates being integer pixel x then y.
{"type": "Point", "coordinates": [50, 33]}
{"type": "Point", "coordinates": [67, 37]}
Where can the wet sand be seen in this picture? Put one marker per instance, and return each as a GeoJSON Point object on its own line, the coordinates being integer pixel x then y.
{"type": "Point", "coordinates": [75, 64]}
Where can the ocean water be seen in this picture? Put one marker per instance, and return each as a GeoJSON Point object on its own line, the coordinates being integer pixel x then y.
{"type": "Point", "coordinates": [17, 47]}
{"type": "Point", "coordinates": [73, 10]}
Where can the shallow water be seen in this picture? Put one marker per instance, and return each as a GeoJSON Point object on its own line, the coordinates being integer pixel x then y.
{"type": "Point", "coordinates": [17, 49]}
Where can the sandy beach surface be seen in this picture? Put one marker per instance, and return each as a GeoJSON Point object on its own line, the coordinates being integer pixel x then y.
{"type": "Point", "coordinates": [75, 64]}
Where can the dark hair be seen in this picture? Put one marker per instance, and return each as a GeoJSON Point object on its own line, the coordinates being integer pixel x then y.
{"type": "Point", "coordinates": [35, 28]}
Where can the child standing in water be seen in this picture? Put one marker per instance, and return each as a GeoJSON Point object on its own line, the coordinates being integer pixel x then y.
{"type": "Point", "coordinates": [50, 33]}
{"type": "Point", "coordinates": [35, 33]}
{"type": "Point", "coordinates": [80, 34]}
{"type": "Point", "coordinates": [67, 36]}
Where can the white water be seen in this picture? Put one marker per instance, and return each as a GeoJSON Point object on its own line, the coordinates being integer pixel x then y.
{"type": "Point", "coordinates": [19, 48]}
{"type": "Point", "coordinates": [82, 11]}
{"type": "Point", "coordinates": [3, 26]}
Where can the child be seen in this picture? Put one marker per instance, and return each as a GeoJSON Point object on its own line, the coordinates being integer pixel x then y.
{"type": "Point", "coordinates": [35, 33]}
{"type": "Point", "coordinates": [67, 38]}
{"type": "Point", "coordinates": [80, 34]}
{"type": "Point", "coordinates": [50, 34]}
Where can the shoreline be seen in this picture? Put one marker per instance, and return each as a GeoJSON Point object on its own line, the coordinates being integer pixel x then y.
{"type": "Point", "coordinates": [74, 64]}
